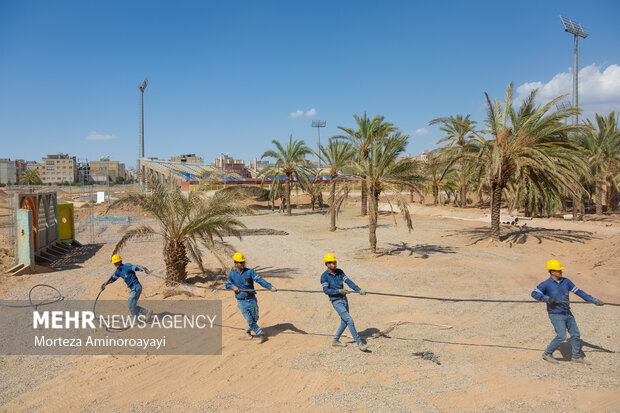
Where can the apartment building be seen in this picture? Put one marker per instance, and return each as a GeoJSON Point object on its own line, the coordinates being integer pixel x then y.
{"type": "Point", "coordinates": [58, 168]}
{"type": "Point", "coordinates": [228, 163]}
{"type": "Point", "coordinates": [8, 174]}
{"type": "Point", "coordinates": [105, 167]}
{"type": "Point", "coordinates": [187, 158]}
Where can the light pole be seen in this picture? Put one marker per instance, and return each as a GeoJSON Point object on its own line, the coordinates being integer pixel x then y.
{"type": "Point", "coordinates": [107, 178]}
{"type": "Point", "coordinates": [140, 172]}
{"type": "Point", "coordinates": [577, 31]}
{"type": "Point", "coordinates": [318, 124]}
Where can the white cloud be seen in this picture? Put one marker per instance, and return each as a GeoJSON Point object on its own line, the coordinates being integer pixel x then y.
{"type": "Point", "coordinates": [420, 132]}
{"type": "Point", "coordinates": [599, 92]}
{"type": "Point", "coordinates": [300, 112]}
{"type": "Point", "coordinates": [94, 136]}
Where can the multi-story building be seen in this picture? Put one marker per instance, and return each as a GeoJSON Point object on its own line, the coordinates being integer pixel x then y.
{"type": "Point", "coordinates": [423, 156]}
{"type": "Point", "coordinates": [228, 164]}
{"type": "Point", "coordinates": [8, 171]}
{"type": "Point", "coordinates": [257, 165]}
{"type": "Point", "coordinates": [188, 158]}
{"type": "Point", "coordinates": [58, 168]}
{"type": "Point", "coordinates": [20, 166]}
{"type": "Point", "coordinates": [105, 167]}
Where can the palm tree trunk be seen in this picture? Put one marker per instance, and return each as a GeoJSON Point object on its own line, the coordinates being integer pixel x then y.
{"type": "Point", "coordinates": [575, 210]}
{"type": "Point", "coordinates": [463, 188]}
{"type": "Point", "coordinates": [526, 201]}
{"type": "Point", "coordinates": [364, 210]}
{"type": "Point", "coordinates": [175, 258]}
{"type": "Point", "coordinates": [332, 203]}
{"type": "Point", "coordinates": [372, 220]}
{"type": "Point", "coordinates": [598, 199]}
{"type": "Point", "coordinates": [612, 195]}
{"type": "Point", "coordinates": [496, 203]}
{"type": "Point", "coordinates": [287, 189]}
{"type": "Point", "coordinates": [435, 193]}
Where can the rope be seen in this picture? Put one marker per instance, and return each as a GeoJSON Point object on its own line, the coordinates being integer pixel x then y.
{"type": "Point", "coordinates": [108, 329]}
{"type": "Point", "coordinates": [60, 297]}
{"type": "Point", "coordinates": [35, 306]}
{"type": "Point", "coordinates": [419, 297]}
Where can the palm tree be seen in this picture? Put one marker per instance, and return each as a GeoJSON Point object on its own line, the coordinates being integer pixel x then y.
{"type": "Point", "coordinates": [459, 133]}
{"type": "Point", "coordinates": [362, 139]}
{"type": "Point", "coordinates": [314, 188]}
{"type": "Point", "coordinates": [529, 139]}
{"type": "Point", "coordinates": [31, 177]}
{"type": "Point", "coordinates": [385, 170]}
{"type": "Point", "coordinates": [186, 222]}
{"type": "Point", "coordinates": [290, 161]}
{"type": "Point", "coordinates": [601, 143]}
{"type": "Point", "coordinates": [437, 169]}
{"type": "Point", "coordinates": [338, 154]}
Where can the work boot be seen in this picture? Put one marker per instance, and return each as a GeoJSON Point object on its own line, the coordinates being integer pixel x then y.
{"type": "Point", "coordinates": [149, 316]}
{"type": "Point", "coordinates": [581, 360]}
{"type": "Point", "coordinates": [262, 339]}
{"type": "Point", "coordinates": [337, 343]}
{"type": "Point", "coordinates": [362, 346]}
{"type": "Point", "coordinates": [549, 358]}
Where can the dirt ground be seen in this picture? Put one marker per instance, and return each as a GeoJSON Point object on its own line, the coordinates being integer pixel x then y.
{"type": "Point", "coordinates": [490, 353]}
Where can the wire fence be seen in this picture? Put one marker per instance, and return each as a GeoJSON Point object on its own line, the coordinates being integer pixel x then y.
{"type": "Point", "coordinates": [89, 229]}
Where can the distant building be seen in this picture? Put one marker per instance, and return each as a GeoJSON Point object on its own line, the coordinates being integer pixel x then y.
{"type": "Point", "coordinates": [58, 168]}
{"type": "Point", "coordinates": [188, 158]}
{"type": "Point", "coordinates": [130, 175]}
{"type": "Point", "coordinates": [9, 170]}
{"type": "Point", "coordinates": [257, 165]}
{"type": "Point", "coordinates": [104, 167]}
{"type": "Point", "coordinates": [423, 156]}
{"type": "Point", "coordinates": [227, 163]}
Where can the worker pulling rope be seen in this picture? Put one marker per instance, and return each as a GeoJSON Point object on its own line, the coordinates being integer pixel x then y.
{"type": "Point", "coordinates": [419, 297]}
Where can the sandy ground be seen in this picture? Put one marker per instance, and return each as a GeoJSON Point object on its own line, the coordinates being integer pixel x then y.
{"type": "Point", "coordinates": [490, 353]}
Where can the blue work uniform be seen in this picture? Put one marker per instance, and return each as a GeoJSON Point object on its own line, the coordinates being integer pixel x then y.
{"type": "Point", "coordinates": [246, 300]}
{"type": "Point", "coordinates": [560, 315]}
{"type": "Point", "coordinates": [128, 273]}
{"type": "Point", "coordinates": [331, 283]}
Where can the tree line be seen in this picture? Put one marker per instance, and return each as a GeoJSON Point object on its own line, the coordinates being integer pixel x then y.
{"type": "Point", "coordinates": [529, 158]}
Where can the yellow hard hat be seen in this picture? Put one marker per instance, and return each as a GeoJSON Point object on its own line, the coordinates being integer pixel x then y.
{"type": "Point", "coordinates": [329, 257]}
{"type": "Point", "coordinates": [116, 258]}
{"type": "Point", "coordinates": [554, 265]}
{"type": "Point", "coordinates": [238, 257]}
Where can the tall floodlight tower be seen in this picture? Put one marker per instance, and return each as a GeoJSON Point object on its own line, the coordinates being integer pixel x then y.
{"type": "Point", "coordinates": [318, 124]}
{"type": "Point", "coordinates": [140, 171]}
{"type": "Point", "coordinates": [577, 31]}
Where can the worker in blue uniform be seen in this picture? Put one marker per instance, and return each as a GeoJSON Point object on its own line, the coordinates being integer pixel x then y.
{"type": "Point", "coordinates": [554, 291]}
{"type": "Point", "coordinates": [241, 281]}
{"type": "Point", "coordinates": [332, 282]}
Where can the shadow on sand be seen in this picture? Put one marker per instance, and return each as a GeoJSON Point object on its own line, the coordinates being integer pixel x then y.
{"type": "Point", "coordinates": [75, 257]}
{"type": "Point", "coordinates": [520, 235]}
{"type": "Point", "coordinates": [421, 250]}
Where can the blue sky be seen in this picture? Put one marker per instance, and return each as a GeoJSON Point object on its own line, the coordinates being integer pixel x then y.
{"type": "Point", "coordinates": [229, 76]}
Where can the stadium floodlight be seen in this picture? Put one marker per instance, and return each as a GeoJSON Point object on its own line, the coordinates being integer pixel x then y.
{"type": "Point", "coordinates": [562, 105]}
{"type": "Point", "coordinates": [318, 124]}
{"type": "Point", "coordinates": [141, 155]}
{"type": "Point", "coordinates": [574, 28]}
